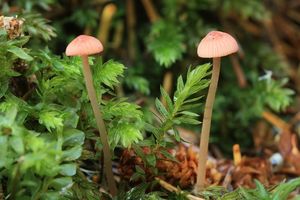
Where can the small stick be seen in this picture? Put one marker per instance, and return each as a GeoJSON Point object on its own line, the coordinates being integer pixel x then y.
{"type": "Point", "coordinates": [130, 14]}
{"type": "Point", "coordinates": [150, 10]}
{"type": "Point", "coordinates": [288, 28]}
{"type": "Point", "coordinates": [228, 177]}
{"type": "Point", "coordinates": [237, 157]}
{"type": "Point", "coordinates": [274, 120]}
{"type": "Point", "coordinates": [248, 26]}
{"type": "Point", "coordinates": [171, 188]}
{"type": "Point", "coordinates": [274, 38]}
{"type": "Point", "coordinates": [238, 71]}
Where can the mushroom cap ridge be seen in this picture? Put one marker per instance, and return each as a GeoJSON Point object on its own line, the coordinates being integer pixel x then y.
{"type": "Point", "coordinates": [84, 45]}
{"type": "Point", "coordinates": [217, 44]}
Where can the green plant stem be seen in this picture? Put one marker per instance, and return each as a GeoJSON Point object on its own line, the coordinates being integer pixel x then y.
{"type": "Point", "coordinates": [43, 190]}
{"type": "Point", "coordinates": [101, 126]}
{"type": "Point", "coordinates": [15, 181]}
{"type": "Point", "coordinates": [206, 125]}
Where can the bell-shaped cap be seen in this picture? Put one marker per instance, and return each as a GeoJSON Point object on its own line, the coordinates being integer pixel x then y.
{"type": "Point", "coordinates": [217, 44]}
{"type": "Point", "coordinates": [84, 45]}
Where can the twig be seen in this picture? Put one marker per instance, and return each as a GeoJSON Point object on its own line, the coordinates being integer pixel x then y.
{"type": "Point", "coordinates": [228, 177]}
{"type": "Point", "coordinates": [274, 38]}
{"type": "Point", "coordinates": [171, 188]}
{"type": "Point", "coordinates": [234, 59]}
{"type": "Point", "coordinates": [187, 135]}
{"type": "Point", "coordinates": [130, 14]}
{"type": "Point", "coordinates": [238, 71]}
{"type": "Point", "coordinates": [288, 28]}
{"type": "Point", "coordinates": [275, 120]}
{"type": "Point", "coordinates": [250, 27]}
{"type": "Point", "coordinates": [150, 10]}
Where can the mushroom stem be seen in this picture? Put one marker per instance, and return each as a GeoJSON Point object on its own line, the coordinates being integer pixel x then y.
{"type": "Point", "coordinates": [101, 126]}
{"type": "Point", "coordinates": [206, 124]}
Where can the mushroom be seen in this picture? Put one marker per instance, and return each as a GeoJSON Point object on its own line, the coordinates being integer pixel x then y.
{"type": "Point", "coordinates": [84, 46]}
{"type": "Point", "coordinates": [215, 44]}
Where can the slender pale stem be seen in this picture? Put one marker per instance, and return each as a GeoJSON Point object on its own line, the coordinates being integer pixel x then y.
{"type": "Point", "coordinates": [101, 126]}
{"type": "Point", "coordinates": [206, 125]}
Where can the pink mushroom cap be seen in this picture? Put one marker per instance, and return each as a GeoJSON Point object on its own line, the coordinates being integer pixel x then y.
{"type": "Point", "coordinates": [84, 45]}
{"type": "Point", "coordinates": [217, 44]}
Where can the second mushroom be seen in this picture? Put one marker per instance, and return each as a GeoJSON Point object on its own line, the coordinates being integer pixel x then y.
{"type": "Point", "coordinates": [215, 44]}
